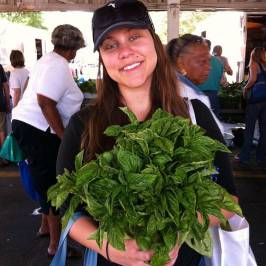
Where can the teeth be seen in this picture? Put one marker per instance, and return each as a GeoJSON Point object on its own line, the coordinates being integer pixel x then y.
{"type": "Point", "coordinates": [132, 66]}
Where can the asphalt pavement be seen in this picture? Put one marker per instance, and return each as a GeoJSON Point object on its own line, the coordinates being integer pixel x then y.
{"type": "Point", "coordinates": [19, 245]}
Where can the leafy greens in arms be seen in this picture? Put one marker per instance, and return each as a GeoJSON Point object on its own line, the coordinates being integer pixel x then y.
{"type": "Point", "coordinates": [150, 186]}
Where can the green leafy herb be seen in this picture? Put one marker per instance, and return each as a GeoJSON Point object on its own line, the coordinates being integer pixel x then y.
{"type": "Point", "coordinates": [150, 187]}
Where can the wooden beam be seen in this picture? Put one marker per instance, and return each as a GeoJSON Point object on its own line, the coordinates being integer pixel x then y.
{"type": "Point", "coordinates": [153, 5]}
{"type": "Point", "coordinates": [66, 2]}
{"type": "Point", "coordinates": [173, 19]}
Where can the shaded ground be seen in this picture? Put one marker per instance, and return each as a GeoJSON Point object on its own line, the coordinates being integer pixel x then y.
{"type": "Point", "coordinates": [20, 247]}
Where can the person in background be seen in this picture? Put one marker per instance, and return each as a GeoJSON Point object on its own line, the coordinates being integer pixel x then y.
{"type": "Point", "coordinates": [40, 117]}
{"type": "Point", "coordinates": [4, 108]}
{"type": "Point", "coordinates": [212, 85]}
{"type": "Point", "coordinates": [190, 57]}
{"type": "Point", "coordinates": [135, 72]}
{"type": "Point", "coordinates": [18, 76]}
{"type": "Point", "coordinates": [254, 112]}
{"type": "Point", "coordinates": [217, 51]}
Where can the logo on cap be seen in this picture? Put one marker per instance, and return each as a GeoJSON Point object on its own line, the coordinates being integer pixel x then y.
{"type": "Point", "coordinates": [112, 5]}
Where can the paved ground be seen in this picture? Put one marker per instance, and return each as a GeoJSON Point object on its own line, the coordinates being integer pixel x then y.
{"type": "Point", "coordinates": [20, 247]}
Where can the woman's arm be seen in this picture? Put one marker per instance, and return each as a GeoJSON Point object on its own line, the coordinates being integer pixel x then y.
{"type": "Point", "coordinates": [51, 114]}
{"type": "Point", "coordinates": [25, 85]}
{"type": "Point", "coordinates": [228, 70]}
{"type": "Point", "coordinates": [16, 96]}
{"type": "Point", "coordinates": [132, 256]}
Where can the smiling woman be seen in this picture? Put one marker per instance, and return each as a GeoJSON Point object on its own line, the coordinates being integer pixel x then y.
{"type": "Point", "coordinates": [134, 72]}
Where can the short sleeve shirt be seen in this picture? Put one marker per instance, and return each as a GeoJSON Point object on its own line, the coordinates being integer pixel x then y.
{"type": "Point", "coordinates": [17, 80]}
{"type": "Point", "coordinates": [51, 77]}
{"type": "Point", "coordinates": [215, 76]}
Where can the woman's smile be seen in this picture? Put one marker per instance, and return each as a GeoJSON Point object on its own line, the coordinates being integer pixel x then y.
{"type": "Point", "coordinates": [134, 66]}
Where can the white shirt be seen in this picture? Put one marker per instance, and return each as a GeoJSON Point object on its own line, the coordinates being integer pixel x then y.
{"type": "Point", "coordinates": [190, 94]}
{"type": "Point", "coordinates": [51, 77]}
{"type": "Point", "coordinates": [17, 80]}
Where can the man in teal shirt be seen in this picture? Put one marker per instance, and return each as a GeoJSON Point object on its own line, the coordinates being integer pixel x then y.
{"type": "Point", "coordinates": [211, 86]}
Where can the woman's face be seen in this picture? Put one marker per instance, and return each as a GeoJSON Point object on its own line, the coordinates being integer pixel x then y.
{"type": "Point", "coordinates": [129, 57]}
{"type": "Point", "coordinates": [195, 62]}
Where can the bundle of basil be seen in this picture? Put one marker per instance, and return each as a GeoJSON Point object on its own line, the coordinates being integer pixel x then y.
{"type": "Point", "coordinates": [150, 186]}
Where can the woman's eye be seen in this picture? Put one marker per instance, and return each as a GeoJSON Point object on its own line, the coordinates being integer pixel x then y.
{"type": "Point", "coordinates": [109, 46]}
{"type": "Point", "coordinates": [134, 37]}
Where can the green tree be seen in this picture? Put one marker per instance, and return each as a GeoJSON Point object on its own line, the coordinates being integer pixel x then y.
{"type": "Point", "coordinates": [189, 21]}
{"type": "Point", "coordinates": [33, 19]}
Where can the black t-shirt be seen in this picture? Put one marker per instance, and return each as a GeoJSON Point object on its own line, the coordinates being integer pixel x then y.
{"type": "Point", "coordinates": [70, 147]}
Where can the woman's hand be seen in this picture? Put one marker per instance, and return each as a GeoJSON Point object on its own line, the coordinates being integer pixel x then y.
{"type": "Point", "coordinates": [245, 92]}
{"type": "Point", "coordinates": [132, 256]}
{"type": "Point", "coordinates": [173, 256]}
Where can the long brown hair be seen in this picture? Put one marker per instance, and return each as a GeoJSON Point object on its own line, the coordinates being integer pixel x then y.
{"type": "Point", "coordinates": [258, 55]}
{"type": "Point", "coordinates": [104, 110]}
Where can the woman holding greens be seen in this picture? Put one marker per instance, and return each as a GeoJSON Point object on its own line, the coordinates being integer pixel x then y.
{"type": "Point", "coordinates": [135, 74]}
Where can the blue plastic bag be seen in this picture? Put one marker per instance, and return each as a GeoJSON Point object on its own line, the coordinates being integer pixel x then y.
{"type": "Point", "coordinates": [26, 180]}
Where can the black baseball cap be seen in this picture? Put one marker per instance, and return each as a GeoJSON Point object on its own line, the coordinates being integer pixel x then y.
{"type": "Point", "coordinates": [119, 14]}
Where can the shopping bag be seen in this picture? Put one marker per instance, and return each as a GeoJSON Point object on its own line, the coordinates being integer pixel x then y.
{"type": "Point", "coordinates": [90, 257]}
{"type": "Point", "coordinates": [231, 248]}
{"type": "Point", "coordinates": [11, 150]}
{"type": "Point", "coordinates": [26, 180]}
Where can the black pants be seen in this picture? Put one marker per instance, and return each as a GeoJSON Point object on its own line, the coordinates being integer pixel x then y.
{"type": "Point", "coordinates": [40, 149]}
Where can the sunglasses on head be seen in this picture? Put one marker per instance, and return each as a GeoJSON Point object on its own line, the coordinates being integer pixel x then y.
{"type": "Point", "coordinates": [186, 40]}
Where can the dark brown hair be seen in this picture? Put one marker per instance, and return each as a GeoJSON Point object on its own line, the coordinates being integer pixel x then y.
{"type": "Point", "coordinates": [104, 110]}
{"type": "Point", "coordinates": [17, 58]}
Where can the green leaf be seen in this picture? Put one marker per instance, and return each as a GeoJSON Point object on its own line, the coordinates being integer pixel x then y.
{"type": "Point", "coordinates": [129, 161]}
{"type": "Point", "coordinates": [161, 159]}
{"type": "Point", "coordinates": [144, 242]}
{"type": "Point", "coordinates": [140, 181]}
{"type": "Point", "coordinates": [203, 246]}
{"type": "Point", "coordinates": [79, 160]}
{"type": "Point", "coordinates": [170, 237]}
{"type": "Point", "coordinates": [116, 236]}
{"type": "Point", "coordinates": [151, 226]}
{"type": "Point", "coordinates": [133, 119]}
{"type": "Point", "coordinates": [160, 257]}
{"type": "Point", "coordinates": [87, 173]}
{"type": "Point", "coordinates": [165, 145]}
{"type": "Point", "coordinates": [73, 204]}
{"type": "Point", "coordinates": [113, 131]}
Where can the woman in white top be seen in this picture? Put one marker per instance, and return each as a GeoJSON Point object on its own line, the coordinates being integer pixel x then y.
{"type": "Point", "coordinates": [18, 76]}
{"type": "Point", "coordinates": [189, 54]}
{"type": "Point", "coordinates": [40, 117]}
